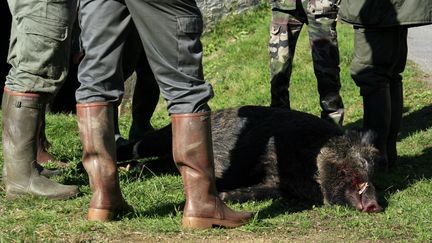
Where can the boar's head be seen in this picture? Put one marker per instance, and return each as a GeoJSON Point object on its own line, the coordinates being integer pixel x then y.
{"type": "Point", "coordinates": [345, 167]}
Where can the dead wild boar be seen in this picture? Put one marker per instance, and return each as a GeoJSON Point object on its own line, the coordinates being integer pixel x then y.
{"type": "Point", "coordinates": [264, 152]}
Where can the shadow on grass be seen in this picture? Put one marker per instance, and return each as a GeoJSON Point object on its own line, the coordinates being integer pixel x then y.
{"type": "Point", "coordinates": [151, 167]}
{"type": "Point", "coordinates": [416, 121]}
{"type": "Point", "coordinates": [281, 206]}
{"type": "Point", "coordinates": [409, 169]}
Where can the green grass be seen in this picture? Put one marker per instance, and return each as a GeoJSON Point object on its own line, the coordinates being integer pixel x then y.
{"type": "Point", "coordinates": [236, 63]}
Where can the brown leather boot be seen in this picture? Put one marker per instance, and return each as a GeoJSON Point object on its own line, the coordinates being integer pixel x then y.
{"type": "Point", "coordinates": [21, 175]}
{"type": "Point", "coordinates": [95, 122]}
{"type": "Point", "coordinates": [193, 155]}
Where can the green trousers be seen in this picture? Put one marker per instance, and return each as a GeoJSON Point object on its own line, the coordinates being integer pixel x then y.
{"type": "Point", "coordinates": [39, 44]}
{"type": "Point", "coordinates": [380, 57]}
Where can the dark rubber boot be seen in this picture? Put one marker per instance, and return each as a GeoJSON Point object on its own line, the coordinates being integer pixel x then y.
{"type": "Point", "coordinates": [376, 117]}
{"type": "Point", "coordinates": [143, 108]}
{"type": "Point", "coordinates": [396, 94]}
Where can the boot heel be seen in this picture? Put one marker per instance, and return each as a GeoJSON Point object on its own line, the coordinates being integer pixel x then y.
{"type": "Point", "coordinates": [95, 214]}
{"type": "Point", "coordinates": [197, 223]}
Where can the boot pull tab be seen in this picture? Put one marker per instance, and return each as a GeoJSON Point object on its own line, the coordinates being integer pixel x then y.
{"type": "Point", "coordinates": [23, 104]}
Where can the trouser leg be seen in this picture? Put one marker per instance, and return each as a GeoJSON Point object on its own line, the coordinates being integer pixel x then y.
{"type": "Point", "coordinates": [379, 58]}
{"type": "Point", "coordinates": [40, 57]}
{"type": "Point", "coordinates": [284, 32]}
{"type": "Point", "coordinates": [174, 51]}
{"type": "Point", "coordinates": [396, 94]}
{"type": "Point", "coordinates": [325, 56]}
{"type": "Point", "coordinates": [105, 26]}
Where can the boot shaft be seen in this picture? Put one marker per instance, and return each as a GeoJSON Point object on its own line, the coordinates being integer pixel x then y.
{"type": "Point", "coordinates": [377, 114]}
{"type": "Point", "coordinates": [192, 139]}
{"type": "Point", "coordinates": [377, 117]}
{"type": "Point", "coordinates": [21, 112]}
{"type": "Point", "coordinates": [396, 93]}
{"type": "Point", "coordinates": [193, 155]}
{"type": "Point", "coordinates": [96, 129]}
{"type": "Point", "coordinates": [95, 123]}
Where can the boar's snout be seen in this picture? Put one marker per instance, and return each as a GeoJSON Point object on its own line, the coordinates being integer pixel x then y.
{"type": "Point", "coordinates": [368, 200]}
{"type": "Point", "coordinates": [372, 207]}
{"type": "Point", "coordinates": [363, 197]}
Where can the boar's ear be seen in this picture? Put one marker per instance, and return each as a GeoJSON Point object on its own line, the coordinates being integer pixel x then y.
{"type": "Point", "coordinates": [368, 137]}
{"type": "Point", "coordinates": [328, 162]}
{"type": "Point", "coordinates": [327, 155]}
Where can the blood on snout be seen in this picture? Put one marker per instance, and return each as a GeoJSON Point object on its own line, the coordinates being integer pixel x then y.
{"type": "Point", "coordinates": [361, 195]}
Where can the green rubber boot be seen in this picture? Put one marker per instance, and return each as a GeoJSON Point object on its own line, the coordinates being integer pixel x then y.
{"type": "Point", "coordinates": [21, 116]}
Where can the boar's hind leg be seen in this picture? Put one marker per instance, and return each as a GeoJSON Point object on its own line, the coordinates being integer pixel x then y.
{"type": "Point", "coordinates": [257, 192]}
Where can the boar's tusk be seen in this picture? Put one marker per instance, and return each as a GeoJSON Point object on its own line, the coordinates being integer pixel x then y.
{"type": "Point", "coordinates": [363, 187]}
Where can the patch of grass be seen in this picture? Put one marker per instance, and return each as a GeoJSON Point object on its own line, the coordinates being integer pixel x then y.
{"type": "Point", "coordinates": [236, 63]}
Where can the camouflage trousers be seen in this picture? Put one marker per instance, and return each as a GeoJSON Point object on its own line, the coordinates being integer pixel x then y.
{"type": "Point", "coordinates": [284, 32]}
{"type": "Point", "coordinates": [39, 44]}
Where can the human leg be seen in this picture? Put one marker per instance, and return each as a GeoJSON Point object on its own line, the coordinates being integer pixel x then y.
{"type": "Point", "coordinates": [21, 173]}
{"type": "Point", "coordinates": [284, 32]}
{"type": "Point", "coordinates": [175, 56]}
{"type": "Point", "coordinates": [38, 54]}
{"type": "Point", "coordinates": [203, 207]}
{"type": "Point", "coordinates": [105, 25]}
{"type": "Point", "coordinates": [95, 122]}
{"type": "Point", "coordinates": [372, 68]}
{"type": "Point", "coordinates": [325, 56]}
{"type": "Point", "coordinates": [396, 97]}
{"type": "Point", "coordinates": [42, 155]}
{"type": "Point", "coordinates": [146, 91]}
{"type": "Point", "coordinates": [145, 99]}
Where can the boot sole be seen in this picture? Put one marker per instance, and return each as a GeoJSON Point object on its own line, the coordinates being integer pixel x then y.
{"type": "Point", "coordinates": [103, 215]}
{"type": "Point", "coordinates": [207, 223]}
{"type": "Point", "coordinates": [14, 195]}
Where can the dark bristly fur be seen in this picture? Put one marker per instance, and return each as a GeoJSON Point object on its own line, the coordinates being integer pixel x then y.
{"type": "Point", "coordinates": [263, 152]}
